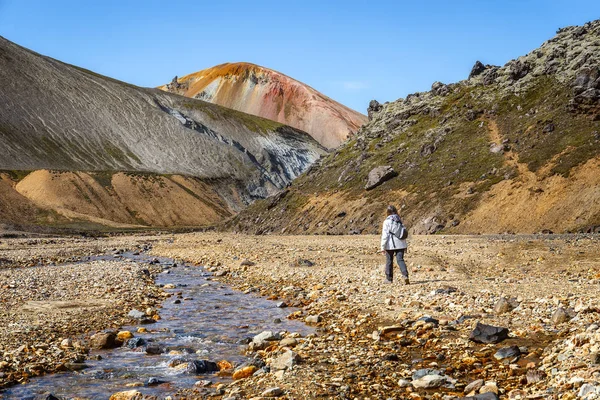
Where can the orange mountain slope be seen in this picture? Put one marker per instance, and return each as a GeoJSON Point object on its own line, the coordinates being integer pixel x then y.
{"type": "Point", "coordinates": [269, 94]}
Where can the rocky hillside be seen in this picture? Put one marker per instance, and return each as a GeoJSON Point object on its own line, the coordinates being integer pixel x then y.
{"type": "Point", "coordinates": [269, 94]}
{"type": "Point", "coordinates": [510, 149]}
{"type": "Point", "coordinates": [59, 117]}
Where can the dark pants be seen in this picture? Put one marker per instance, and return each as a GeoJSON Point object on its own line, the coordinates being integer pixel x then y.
{"type": "Point", "coordinates": [389, 263]}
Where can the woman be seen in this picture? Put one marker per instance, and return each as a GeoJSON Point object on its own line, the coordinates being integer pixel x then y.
{"type": "Point", "coordinates": [393, 246]}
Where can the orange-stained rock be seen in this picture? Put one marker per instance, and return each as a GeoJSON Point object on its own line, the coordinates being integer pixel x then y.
{"type": "Point", "coordinates": [124, 335]}
{"type": "Point", "coordinates": [224, 364]}
{"type": "Point", "coordinates": [127, 395]}
{"type": "Point", "coordinates": [245, 372]}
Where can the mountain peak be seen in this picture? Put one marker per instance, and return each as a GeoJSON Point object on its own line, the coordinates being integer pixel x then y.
{"type": "Point", "coordinates": [270, 94]}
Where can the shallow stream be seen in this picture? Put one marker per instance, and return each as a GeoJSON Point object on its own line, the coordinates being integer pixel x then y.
{"type": "Point", "coordinates": [211, 322]}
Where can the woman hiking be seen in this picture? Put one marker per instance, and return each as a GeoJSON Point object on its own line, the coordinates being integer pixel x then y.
{"type": "Point", "coordinates": [392, 245]}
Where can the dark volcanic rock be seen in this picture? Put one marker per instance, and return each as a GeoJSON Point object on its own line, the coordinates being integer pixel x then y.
{"type": "Point", "coordinates": [379, 175]}
{"type": "Point", "coordinates": [477, 69]}
{"type": "Point", "coordinates": [518, 70]}
{"type": "Point", "coordinates": [440, 89]}
{"type": "Point", "coordinates": [374, 107]}
{"type": "Point", "coordinates": [136, 342]}
{"type": "Point", "coordinates": [507, 352]}
{"type": "Point", "coordinates": [154, 349]}
{"type": "Point", "coordinates": [488, 334]}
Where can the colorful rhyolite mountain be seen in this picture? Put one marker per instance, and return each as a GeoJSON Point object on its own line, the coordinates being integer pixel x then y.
{"type": "Point", "coordinates": [269, 94]}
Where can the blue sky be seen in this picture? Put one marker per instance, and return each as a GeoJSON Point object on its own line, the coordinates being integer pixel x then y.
{"type": "Point", "coordinates": [352, 51]}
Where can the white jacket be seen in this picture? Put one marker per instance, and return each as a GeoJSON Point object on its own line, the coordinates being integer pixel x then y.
{"type": "Point", "coordinates": [389, 241]}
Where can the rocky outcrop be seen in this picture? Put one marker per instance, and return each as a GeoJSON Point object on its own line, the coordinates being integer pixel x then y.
{"type": "Point", "coordinates": [513, 148]}
{"type": "Point", "coordinates": [270, 94]}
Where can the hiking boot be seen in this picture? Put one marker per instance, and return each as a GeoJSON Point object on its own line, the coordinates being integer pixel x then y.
{"type": "Point", "coordinates": [387, 282]}
{"type": "Point", "coordinates": [406, 281]}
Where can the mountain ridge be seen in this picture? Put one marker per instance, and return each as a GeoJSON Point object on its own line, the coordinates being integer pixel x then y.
{"type": "Point", "coordinates": [59, 117]}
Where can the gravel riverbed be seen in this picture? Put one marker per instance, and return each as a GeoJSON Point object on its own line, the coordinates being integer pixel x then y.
{"type": "Point", "coordinates": [372, 340]}
{"type": "Point", "coordinates": [395, 341]}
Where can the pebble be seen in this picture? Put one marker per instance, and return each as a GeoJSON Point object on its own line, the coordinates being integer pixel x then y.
{"type": "Point", "coordinates": [273, 392]}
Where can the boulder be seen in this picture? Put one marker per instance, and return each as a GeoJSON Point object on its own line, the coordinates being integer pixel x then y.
{"type": "Point", "coordinates": [488, 334]}
{"type": "Point", "coordinates": [104, 340]}
{"type": "Point", "coordinates": [378, 175]}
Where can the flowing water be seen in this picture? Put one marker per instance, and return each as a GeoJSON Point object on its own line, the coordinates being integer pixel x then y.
{"type": "Point", "coordinates": [211, 322]}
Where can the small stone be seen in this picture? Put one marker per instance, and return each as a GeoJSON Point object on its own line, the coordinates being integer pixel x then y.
{"type": "Point", "coordinates": [282, 304]}
{"type": "Point", "coordinates": [272, 392]}
{"type": "Point", "coordinates": [76, 366]}
{"type": "Point", "coordinates": [127, 395]}
{"type": "Point", "coordinates": [507, 352]}
{"type": "Point", "coordinates": [136, 314]}
{"type": "Point", "coordinates": [429, 382]}
{"type": "Point", "coordinates": [489, 387]}
{"type": "Point", "coordinates": [153, 381]}
{"type": "Point", "coordinates": [288, 342]}
{"type": "Point", "coordinates": [587, 389]}
{"type": "Point", "coordinates": [285, 361]}
{"type": "Point", "coordinates": [244, 372]}
{"type": "Point", "coordinates": [502, 306]}
{"type": "Point", "coordinates": [595, 358]}
{"type": "Point", "coordinates": [203, 383]}
{"type": "Point", "coordinates": [474, 386]}
{"type": "Point", "coordinates": [535, 376]}
{"type": "Point", "coordinates": [169, 286]}
{"type": "Point", "coordinates": [488, 334]}
{"type": "Point", "coordinates": [154, 349]}
{"type": "Point", "coordinates": [483, 396]}
{"type": "Point", "coordinates": [404, 383]}
{"type": "Point", "coordinates": [313, 319]}
{"type": "Point", "coordinates": [560, 316]}
{"type": "Point", "coordinates": [247, 263]}
{"type": "Point", "coordinates": [124, 335]}
{"type": "Point", "coordinates": [66, 343]}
